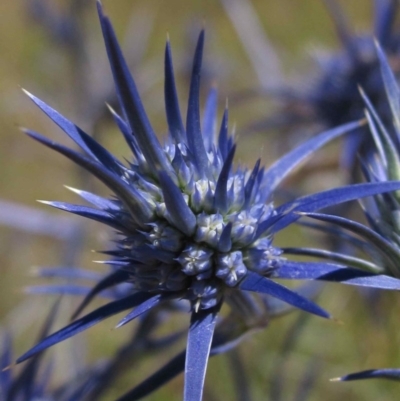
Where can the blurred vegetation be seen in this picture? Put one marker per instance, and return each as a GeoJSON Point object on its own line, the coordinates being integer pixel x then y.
{"type": "Point", "coordinates": [30, 58]}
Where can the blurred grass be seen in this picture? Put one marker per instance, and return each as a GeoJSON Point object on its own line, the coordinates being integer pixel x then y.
{"type": "Point", "coordinates": [29, 172]}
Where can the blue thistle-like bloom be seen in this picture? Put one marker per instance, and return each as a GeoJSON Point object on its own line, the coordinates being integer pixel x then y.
{"type": "Point", "coordinates": [330, 96]}
{"type": "Point", "coordinates": [381, 211]}
{"type": "Point", "coordinates": [335, 99]}
{"type": "Point", "coordinates": [379, 164]}
{"type": "Point", "coordinates": [190, 226]}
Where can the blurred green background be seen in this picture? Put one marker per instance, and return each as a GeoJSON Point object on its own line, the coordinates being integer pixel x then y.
{"type": "Point", "coordinates": [32, 59]}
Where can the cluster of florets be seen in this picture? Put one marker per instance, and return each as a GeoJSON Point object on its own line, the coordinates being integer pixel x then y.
{"type": "Point", "coordinates": [221, 242]}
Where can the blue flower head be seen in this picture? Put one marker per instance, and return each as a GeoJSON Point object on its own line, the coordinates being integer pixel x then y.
{"type": "Point", "coordinates": [380, 239]}
{"type": "Point", "coordinates": [332, 97]}
{"type": "Point", "coordinates": [190, 226]}
{"type": "Point", "coordinates": [379, 163]}
{"type": "Point", "coordinates": [335, 99]}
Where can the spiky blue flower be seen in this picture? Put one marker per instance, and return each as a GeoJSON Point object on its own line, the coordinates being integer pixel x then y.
{"type": "Point", "coordinates": [335, 99]}
{"type": "Point", "coordinates": [381, 238]}
{"type": "Point", "coordinates": [330, 96]}
{"type": "Point", "coordinates": [379, 164]}
{"type": "Point", "coordinates": [190, 226]}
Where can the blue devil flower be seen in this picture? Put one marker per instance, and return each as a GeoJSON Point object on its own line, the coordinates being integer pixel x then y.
{"type": "Point", "coordinates": [335, 99]}
{"type": "Point", "coordinates": [380, 239]}
{"type": "Point", "coordinates": [190, 226]}
{"type": "Point", "coordinates": [330, 96]}
{"type": "Point", "coordinates": [379, 164]}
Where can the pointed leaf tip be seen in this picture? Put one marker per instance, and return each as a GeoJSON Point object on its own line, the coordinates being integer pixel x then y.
{"type": "Point", "coordinates": [257, 283]}
{"type": "Point", "coordinates": [99, 6]}
{"type": "Point", "coordinates": [145, 306]}
{"type": "Point", "coordinates": [132, 199]}
{"type": "Point", "coordinates": [130, 101]}
{"type": "Point", "coordinates": [389, 374]}
{"type": "Point", "coordinates": [174, 117]}
{"type": "Point", "coordinates": [335, 273]}
{"type": "Point", "coordinates": [283, 166]}
{"type": "Point", "coordinates": [221, 190]}
{"type": "Point", "coordinates": [287, 213]}
{"type": "Point", "coordinates": [83, 140]}
{"type": "Point", "coordinates": [193, 129]}
{"type": "Point", "coordinates": [13, 365]}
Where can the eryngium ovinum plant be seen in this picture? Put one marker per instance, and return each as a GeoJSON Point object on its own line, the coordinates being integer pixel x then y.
{"type": "Point", "coordinates": [190, 227]}
{"type": "Point", "coordinates": [382, 211]}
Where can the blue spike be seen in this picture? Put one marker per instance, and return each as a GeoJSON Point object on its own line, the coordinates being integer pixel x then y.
{"type": "Point", "coordinates": [183, 172]}
{"type": "Point", "coordinates": [174, 118]}
{"type": "Point", "coordinates": [96, 200]}
{"type": "Point", "coordinates": [73, 131]}
{"type": "Point", "coordinates": [277, 307]}
{"type": "Point", "coordinates": [256, 283]}
{"type": "Point", "coordinates": [288, 213]}
{"type": "Point", "coordinates": [117, 263]}
{"type": "Point", "coordinates": [181, 215]}
{"type": "Point", "coordinates": [248, 189]}
{"type": "Point", "coordinates": [142, 308]}
{"type": "Point", "coordinates": [387, 249]}
{"type": "Point", "coordinates": [221, 190]}
{"type": "Point", "coordinates": [283, 166]}
{"type": "Point", "coordinates": [209, 118]}
{"type": "Point", "coordinates": [128, 135]}
{"type": "Point", "coordinates": [87, 321]}
{"type": "Point", "coordinates": [135, 203]}
{"type": "Point", "coordinates": [223, 144]}
{"type": "Point", "coordinates": [225, 242]}
{"type": "Point", "coordinates": [193, 129]}
{"type": "Point", "coordinates": [289, 269]}
{"type": "Point", "coordinates": [391, 374]}
{"type": "Point", "coordinates": [201, 331]}
{"type": "Point", "coordinates": [88, 212]}
{"type": "Point", "coordinates": [384, 143]}
{"type": "Point", "coordinates": [130, 100]}
{"type": "Point", "coordinates": [338, 257]}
